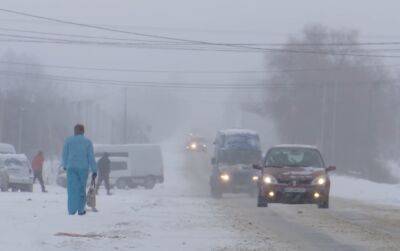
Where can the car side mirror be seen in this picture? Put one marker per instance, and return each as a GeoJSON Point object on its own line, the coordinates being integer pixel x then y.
{"type": "Point", "coordinates": [257, 166]}
{"type": "Point", "coordinates": [213, 161]}
{"type": "Point", "coordinates": [330, 168]}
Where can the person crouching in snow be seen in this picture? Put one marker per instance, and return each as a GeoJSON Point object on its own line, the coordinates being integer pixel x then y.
{"type": "Point", "coordinates": [77, 159]}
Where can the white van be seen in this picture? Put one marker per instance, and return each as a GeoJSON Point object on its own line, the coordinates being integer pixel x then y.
{"type": "Point", "coordinates": [133, 165]}
{"type": "Point", "coordinates": [15, 173]}
{"type": "Point", "coordinates": [7, 148]}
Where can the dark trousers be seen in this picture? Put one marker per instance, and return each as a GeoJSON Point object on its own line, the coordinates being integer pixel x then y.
{"type": "Point", "coordinates": [39, 175]}
{"type": "Point", "coordinates": [106, 179]}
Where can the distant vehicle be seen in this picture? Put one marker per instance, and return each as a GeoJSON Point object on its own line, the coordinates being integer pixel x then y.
{"type": "Point", "coordinates": [294, 174]}
{"type": "Point", "coordinates": [15, 173]}
{"type": "Point", "coordinates": [196, 144]}
{"type": "Point", "coordinates": [132, 165]}
{"type": "Point", "coordinates": [7, 149]}
{"type": "Point", "coordinates": [235, 153]}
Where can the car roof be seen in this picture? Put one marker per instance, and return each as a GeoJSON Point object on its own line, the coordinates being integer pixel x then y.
{"type": "Point", "coordinates": [8, 147]}
{"type": "Point", "coordinates": [295, 146]}
{"type": "Point", "coordinates": [21, 157]}
{"type": "Point", "coordinates": [238, 131]}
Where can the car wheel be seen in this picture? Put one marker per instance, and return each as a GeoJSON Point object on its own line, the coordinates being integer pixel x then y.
{"type": "Point", "coordinates": [262, 201]}
{"type": "Point", "coordinates": [122, 184]}
{"type": "Point", "coordinates": [149, 182]}
{"type": "Point", "coordinates": [324, 204]}
{"type": "Point", "coordinates": [14, 189]}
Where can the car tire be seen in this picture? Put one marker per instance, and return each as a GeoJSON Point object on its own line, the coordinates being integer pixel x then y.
{"type": "Point", "coordinates": [324, 204]}
{"type": "Point", "coordinates": [262, 201]}
{"type": "Point", "coordinates": [149, 183]}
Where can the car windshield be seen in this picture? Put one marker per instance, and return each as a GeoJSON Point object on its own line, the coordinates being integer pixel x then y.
{"type": "Point", "coordinates": [14, 162]}
{"type": "Point", "coordinates": [294, 157]}
{"type": "Point", "coordinates": [242, 141]}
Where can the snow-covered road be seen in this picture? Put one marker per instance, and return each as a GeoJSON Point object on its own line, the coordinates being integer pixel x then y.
{"type": "Point", "coordinates": [179, 215]}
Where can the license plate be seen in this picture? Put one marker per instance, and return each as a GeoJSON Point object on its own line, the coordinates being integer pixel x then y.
{"type": "Point", "coordinates": [295, 190]}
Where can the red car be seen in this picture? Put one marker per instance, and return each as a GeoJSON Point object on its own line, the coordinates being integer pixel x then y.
{"type": "Point", "coordinates": [294, 174]}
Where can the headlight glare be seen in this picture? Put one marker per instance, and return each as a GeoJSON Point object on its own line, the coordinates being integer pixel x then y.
{"type": "Point", "coordinates": [269, 180]}
{"type": "Point", "coordinates": [224, 177]}
{"type": "Point", "coordinates": [319, 181]}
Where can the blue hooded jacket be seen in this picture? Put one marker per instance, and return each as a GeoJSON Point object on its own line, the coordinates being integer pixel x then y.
{"type": "Point", "coordinates": [78, 153]}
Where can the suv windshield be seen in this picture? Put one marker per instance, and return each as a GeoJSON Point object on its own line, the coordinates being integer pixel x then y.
{"type": "Point", "coordinates": [242, 141]}
{"type": "Point", "coordinates": [294, 157]}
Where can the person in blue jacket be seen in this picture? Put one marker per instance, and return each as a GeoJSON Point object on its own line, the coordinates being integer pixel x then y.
{"type": "Point", "coordinates": [77, 159]}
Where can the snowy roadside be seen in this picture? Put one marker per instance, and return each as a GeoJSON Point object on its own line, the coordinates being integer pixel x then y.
{"type": "Point", "coordinates": [166, 218]}
{"type": "Point", "coordinates": [365, 191]}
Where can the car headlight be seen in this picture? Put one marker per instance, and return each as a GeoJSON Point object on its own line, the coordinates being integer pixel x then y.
{"type": "Point", "coordinates": [255, 178]}
{"type": "Point", "coordinates": [225, 177]}
{"type": "Point", "coordinates": [193, 146]}
{"type": "Point", "coordinates": [269, 179]}
{"type": "Point", "coordinates": [321, 180]}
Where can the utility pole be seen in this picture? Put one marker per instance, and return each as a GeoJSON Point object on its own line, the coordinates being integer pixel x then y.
{"type": "Point", "coordinates": [323, 118]}
{"type": "Point", "coordinates": [20, 125]}
{"type": "Point", "coordinates": [334, 115]}
{"type": "Point", "coordinates": [125, 121]}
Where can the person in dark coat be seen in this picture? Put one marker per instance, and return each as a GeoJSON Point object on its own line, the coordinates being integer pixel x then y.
{"type": "Point", "coordinates": [103, 166]}
{"type": "Point", "coordinates": [37, 167]}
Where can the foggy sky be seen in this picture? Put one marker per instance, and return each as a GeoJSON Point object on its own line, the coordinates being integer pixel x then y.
{"type": "Point", "coordinates": [208, 20]}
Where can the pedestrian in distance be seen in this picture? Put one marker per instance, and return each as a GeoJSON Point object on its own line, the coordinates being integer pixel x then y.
{"type": "Point", "coordinates": [37, 167]}
{"type": "Point", "coordinates": [77, 160]}
{"type": "Point", "coordinates": [103, 166]}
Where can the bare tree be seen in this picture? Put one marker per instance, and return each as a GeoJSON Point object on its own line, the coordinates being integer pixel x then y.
{"type": "Point", "coordinates": [323, 92]}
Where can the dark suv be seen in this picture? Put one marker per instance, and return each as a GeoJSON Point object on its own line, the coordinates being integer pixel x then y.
{"type": "Point", "coordinates": [294, 174]}
{"type": "Point", "coordinates": [235, 153]}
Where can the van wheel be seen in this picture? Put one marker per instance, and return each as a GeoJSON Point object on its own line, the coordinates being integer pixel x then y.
{"type": "Point", "coordinates": [149, 183]}
{"type": "Point", "coordinates": [4, 186]}
{"type": "Point", "coordinates": [216, 193]}
{"type": "Point", "coordinates": [27, 188]}
{"type": "Point", "coordinates": [122, 184]}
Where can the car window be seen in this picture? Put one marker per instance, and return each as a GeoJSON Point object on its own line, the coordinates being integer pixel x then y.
{"type": "Point", "coordinates": [14, 162]}
{"type": "Point", "coordinates": [118, 165]}
{"type": "Point", "coordinates": [242, 140]}
{"type": "Point", "coordinates": [294, 157]}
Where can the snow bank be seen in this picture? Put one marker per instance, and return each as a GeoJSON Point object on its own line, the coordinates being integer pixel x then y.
{"type": "Point", "coordinates": [364, 190]}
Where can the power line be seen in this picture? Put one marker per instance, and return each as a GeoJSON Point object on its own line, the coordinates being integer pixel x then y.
{"type": "Point", "coordinates": [181, 85]}
{"type": "Point", "coordinates": [193, 41]}
{"type": "Point", "coordinates": [234, 44]}
{"type": "Point", "coordinates": [80, 68]}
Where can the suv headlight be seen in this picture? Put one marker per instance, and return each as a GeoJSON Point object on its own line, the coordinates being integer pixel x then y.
{"type": "Point", "coordinates": [321, 180]}
{"type": "Point", "coordinates": [225, 177]}
{"type": "Point", "coordinates": [193, 146]}
{"type": "Point", "coordinates": [269, 179]}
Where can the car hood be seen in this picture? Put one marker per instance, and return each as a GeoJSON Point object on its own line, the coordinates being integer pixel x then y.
{"type": "Point", "coordinates": [236, 168]}
{"type": "Point", "coordinates": [294, 172]}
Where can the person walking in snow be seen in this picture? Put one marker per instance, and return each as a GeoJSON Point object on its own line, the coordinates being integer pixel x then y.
{"type": "Point", "coordinates": [103, 165]}
{"type": "Point", "coordinates": [77, 160]}
{"type": "Point", "coordinates": [37, 167]}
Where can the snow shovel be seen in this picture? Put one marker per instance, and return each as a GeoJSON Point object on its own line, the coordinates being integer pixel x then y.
{"type": "Point", "coordinates": [91, 196]}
